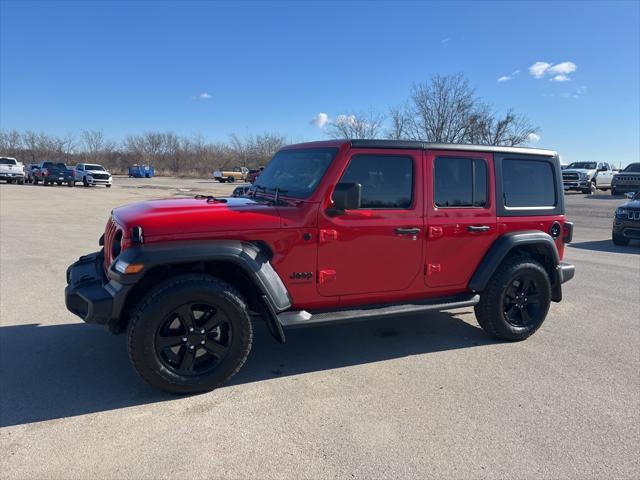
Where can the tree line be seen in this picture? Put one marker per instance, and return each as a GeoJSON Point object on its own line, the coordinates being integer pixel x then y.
{"type": "Point", "coordinates": [444, 109]}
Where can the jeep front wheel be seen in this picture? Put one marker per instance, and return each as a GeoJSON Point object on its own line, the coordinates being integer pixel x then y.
{"type": "Point", "coordinates": [516, 301]}
{"type": "Point", "coordinates": [190, 334]}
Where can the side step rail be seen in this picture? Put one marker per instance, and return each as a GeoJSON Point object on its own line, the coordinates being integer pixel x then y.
{"type": "Point", "coordinates": [302, 318]}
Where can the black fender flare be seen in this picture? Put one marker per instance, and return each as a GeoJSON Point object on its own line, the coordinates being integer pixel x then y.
{"type": "Point", "coordinates": [253, 260]}
{"type": "Point", "coordinates": [506, 244]}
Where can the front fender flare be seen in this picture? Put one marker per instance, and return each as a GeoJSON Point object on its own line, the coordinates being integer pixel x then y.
{"type": "Point", "coordinates": [253, 260]}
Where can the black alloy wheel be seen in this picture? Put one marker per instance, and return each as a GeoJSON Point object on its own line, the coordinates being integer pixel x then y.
{"type": "Point", "coordinates": [522, 303]}
{"type": "Point", "coordinates": [193, 339]}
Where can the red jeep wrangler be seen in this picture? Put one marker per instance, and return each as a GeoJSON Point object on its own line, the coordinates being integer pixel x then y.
{"type": "Point", "coordinates": [331, 231]}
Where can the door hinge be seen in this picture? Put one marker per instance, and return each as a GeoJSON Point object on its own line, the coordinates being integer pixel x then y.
{"type": "Point", "coordinates": [435, 232]}
{"type": "Point", "coordinates": [326, 276]}
{"type": "Point", "coordinates": [433, 268]}
{"type": "Point", "coordinates": [328, 235]}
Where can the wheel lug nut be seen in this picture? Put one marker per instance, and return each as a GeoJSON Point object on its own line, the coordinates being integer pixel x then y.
{"type": "Point", "coordinates": [202, 331]}
{"type": "Point", "coordinates": [191, 329]}
{"type": "Point", "coordinates": [191, 347]}
{"type": "Point", "coordinates": [184, 339]}
{"type": "Point", "coordinates": [202, 342]}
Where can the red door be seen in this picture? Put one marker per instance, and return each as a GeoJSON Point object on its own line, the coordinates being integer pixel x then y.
{"type": "Point", "coordinates": [377, 248]}
{"type": "Point", "coordinates": [461, 215]}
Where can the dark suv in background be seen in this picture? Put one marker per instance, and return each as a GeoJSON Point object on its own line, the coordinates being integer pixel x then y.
{"type": "Point", "coordinates": [627, 180]}
{"type": "Point", "coordinates": [626, 224]}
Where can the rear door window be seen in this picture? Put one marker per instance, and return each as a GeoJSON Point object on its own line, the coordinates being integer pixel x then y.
{"type": "Point", "coordinates": [460, 182]}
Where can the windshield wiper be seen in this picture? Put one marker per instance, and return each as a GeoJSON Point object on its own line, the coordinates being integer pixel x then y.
{"type": "Point", "coordinates": [210, 198]}
{"type": "Point", "coordinates": [277, 191]}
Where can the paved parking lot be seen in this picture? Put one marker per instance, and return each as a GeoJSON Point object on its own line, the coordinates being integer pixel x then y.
{"type": "Point", "coordinates": [425, 396]}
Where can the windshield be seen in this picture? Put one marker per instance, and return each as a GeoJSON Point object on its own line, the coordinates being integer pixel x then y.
{"type": "Point", "coordinates": [585, 165]}
{"type": "Point", "coordinates": [61, 166]}
{"type": "Point", "coordinates": [295, 173]}
{"type": "Point", "coordinates": [633, 167]}
{"type": "Point", "coordinates": [94, 167]}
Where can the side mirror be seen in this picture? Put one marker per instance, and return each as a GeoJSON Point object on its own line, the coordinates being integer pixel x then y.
{"type": "Point", "coordinates": [346, 196]}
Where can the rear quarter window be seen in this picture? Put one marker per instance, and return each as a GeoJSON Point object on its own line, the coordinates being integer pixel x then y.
{"type": "Point", "coordinates": [528, 184]}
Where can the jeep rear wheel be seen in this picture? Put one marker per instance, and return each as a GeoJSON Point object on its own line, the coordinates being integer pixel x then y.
{"type": "Point", "coordinates": [516, 301]}
{"type": "Point", "coordinates": [190, 334]}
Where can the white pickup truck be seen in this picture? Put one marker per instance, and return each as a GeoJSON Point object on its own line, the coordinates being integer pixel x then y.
{"type": "Point", "coordinates": [92, 174]}
{"type": "Point", "coordinates": [587, 177]}
{"type": "Point", "coordinates": [11, 170]}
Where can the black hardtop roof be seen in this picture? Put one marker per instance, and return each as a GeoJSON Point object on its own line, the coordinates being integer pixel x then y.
{"type": "Point", "coordinates": [416, 145]}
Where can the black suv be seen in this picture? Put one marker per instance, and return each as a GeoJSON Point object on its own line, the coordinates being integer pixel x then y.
{"type": "Point", "coordinates": [626, 224]}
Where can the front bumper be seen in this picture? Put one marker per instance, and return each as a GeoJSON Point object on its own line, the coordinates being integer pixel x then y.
{"type": "Point", "coordinates": [576, 185]}
{"type": "Point", "coordinates": [99, 181]}
{"type": "Point", "coordinates": [627, 228]}
{"type": "Point", "coordinates": [90, 294]}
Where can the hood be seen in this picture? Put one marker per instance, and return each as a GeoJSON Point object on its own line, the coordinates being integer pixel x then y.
{"type": "Point", "coordinates": [632, 204]}
{"type": "Point", "coordinates": [189, 217]}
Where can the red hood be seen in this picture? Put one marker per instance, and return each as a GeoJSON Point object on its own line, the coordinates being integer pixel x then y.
{"type": "Point", "coordinates": [178, 217]}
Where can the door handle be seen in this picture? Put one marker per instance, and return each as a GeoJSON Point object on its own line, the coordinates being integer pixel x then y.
{"type": "Point", "coordinates": [407, 231]}
{"type": "Point", "coordinates": [478, 228]}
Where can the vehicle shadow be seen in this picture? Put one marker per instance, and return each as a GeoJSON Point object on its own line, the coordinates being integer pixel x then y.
{"type": "Point", "coordinates": [607, 246]}
{"type": "Point", "coordinates": [56, 371]}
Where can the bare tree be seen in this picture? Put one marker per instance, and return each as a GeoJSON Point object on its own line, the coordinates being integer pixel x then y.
{"type": "Point", "coordinates": [400, 122]}
{"type": "Point", "coordinates": [356, 125]}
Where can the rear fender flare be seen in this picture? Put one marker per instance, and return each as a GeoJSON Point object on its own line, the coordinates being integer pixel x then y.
{"type": "Point", "coordinates": [506, 244]}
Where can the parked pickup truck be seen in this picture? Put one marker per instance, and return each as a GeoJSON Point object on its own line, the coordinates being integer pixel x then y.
{"type": "Point", "coordinates": [587, 177]}
{"type": "Point", "coordinates": [238, 173]}
{"type": "Point", "coordinates": [11, 170]}
{"type": "Point", "coordinates": [92, 174]}
{"type": "Point", "coordinates": [627, 180]}
{"type": "Point", "coordinates": [53, 172]}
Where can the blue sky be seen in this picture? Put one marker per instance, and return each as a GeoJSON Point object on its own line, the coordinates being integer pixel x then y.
{"type": "Point", "coordinates": [272, 67]}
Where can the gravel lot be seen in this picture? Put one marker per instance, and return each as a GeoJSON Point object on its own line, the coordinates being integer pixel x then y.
{"type": "Point", "coordinates": [413, 397]}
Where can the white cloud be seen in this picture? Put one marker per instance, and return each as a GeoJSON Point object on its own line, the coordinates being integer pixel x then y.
{"type": "Point", "coordinates": [533, 138]}
{"type": "Point", "coordinates": [515, 72]}
{"type": "Point", "coordinates": [563, 68]}
{"type": "Point", "coordinates": [558, 72]}
{"type": "Point", "coordinates": [320, 120]}
{"type": "Point", "coordinates": [505, 78]}
{"type": "Point", "coordinates": [538, 69]}
{"type": "Point", "coordinates": [445, 40]}
{"type": "Point", "coordinates": [202, 96]}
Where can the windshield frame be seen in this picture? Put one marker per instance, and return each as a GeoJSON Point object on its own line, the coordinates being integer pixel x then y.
{"type": "Point", "coordinates": [259, 188]}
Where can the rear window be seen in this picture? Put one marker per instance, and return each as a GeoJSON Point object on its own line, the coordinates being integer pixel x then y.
{"type": "Point", "coordinates": [460, 182]}
{"type": "Point", "coordinates": [528, 183]}
{"type": "Point", "coordinates": [8, 161]}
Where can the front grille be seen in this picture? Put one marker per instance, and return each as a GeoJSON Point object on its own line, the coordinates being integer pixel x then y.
{"type": "Point", "coordinates": [100, 176]}
{"type": "Point", "coordinates": [633, 215]}
{"type": "Point", "coordinates": [571, 177]}
{"type": "Point", "coordinates": [112, 233]}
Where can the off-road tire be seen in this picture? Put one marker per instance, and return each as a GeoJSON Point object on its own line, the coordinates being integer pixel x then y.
{"type": "Point", "coordinates": [619, 239]}
{"type": "Point", "coordinates": [84, 182]}
{"type": "Point", "coordinates": [152, 312]}
{"type": "Point", "coordinates": [490, 311]}
{"type": "Point", "coordinates": [231, 179]}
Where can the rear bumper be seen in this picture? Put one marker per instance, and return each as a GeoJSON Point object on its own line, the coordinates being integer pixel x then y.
{"type": "Point", "coordinates": [90, 294]}
{"type": "Point", "coordinates": [566, 271]}
{"type": "Point", "coordinates": [11, 176]}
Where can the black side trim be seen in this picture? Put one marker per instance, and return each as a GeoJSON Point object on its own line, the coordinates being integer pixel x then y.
{"type": "Point", "coordinates": [501, 248]}
{"type": "Point", "coordinates": [246, 256]}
